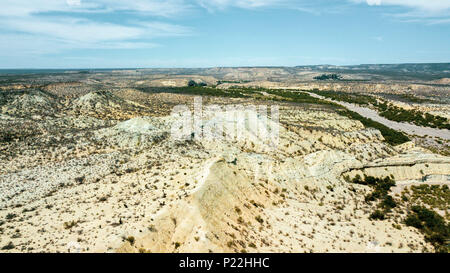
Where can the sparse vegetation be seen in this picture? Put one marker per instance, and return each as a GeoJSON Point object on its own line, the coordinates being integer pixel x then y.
{"type": "Point", "coordinates": [297, 97]}
{"type": "Point", "coordinates": [416, 117]}
{"type": "Point", "coordinates": [100, 153]}
{"type": "Point", "coordinates": [237, 210]}
{"type": "Point", "coordinates": [432, 225]}
{"type": "Point", "coordinates": [9, 246]}
{"type": "Point", "coordinates": [388, 110]}
{"type": "Point", "coordinates": [377, 215]}
{"type": "Point", "coordinates": [391, 136]}
{"type": "Point", "coordinates": [71, 224]}
{"type": "Point", "coordinates": [435, 196]}
{"type": "Point", "coordinates": [259, 219]}
{"type": "Point", "coordinates": [143, 250]}
{"type": "Point", "coordinates": [196, 90]}
{"type": "Point", "coordinates": [381, 188]}
{"type": "Point", "coordinates": [10, 216]}
{"type": "Point", "coordinates": [130, 239]}
{"type": "Point", "coordinates": [347, 97]}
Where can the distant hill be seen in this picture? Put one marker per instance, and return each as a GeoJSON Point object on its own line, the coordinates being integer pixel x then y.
{"type": "Point", "coordinates": [422, 71]}
{"type": "Point", "coordinates": [411, 72]}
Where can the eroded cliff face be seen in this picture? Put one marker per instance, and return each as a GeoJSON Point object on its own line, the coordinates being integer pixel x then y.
{"type": "Point", "coordinates": [415, 165]}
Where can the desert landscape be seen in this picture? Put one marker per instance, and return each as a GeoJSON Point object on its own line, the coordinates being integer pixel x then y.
{"type": "Point", "coordinates": [361, 163]}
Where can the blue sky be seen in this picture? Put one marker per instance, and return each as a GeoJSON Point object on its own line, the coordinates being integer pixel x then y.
{"type": "Point", "coordinates": [207, 33]}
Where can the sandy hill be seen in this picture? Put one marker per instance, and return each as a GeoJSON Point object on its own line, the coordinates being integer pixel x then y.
{"type": "Point", "coordinates": [106, 105]}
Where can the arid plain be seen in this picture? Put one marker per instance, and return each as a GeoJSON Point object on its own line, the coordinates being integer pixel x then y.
{"type": "Point", "coordinates": [362, 164]}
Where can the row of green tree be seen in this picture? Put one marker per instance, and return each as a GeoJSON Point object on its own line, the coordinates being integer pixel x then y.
{"type": "Point", "coordinates": [388, 110]}
{"type": "Point", "coordinates": [324, 77]}
{"type": "Point", "coordinates": [419, 118]}
{"type": "Point", "coordinates": [195, 90]}
{"type": "Point", "coordinates": [391, 136]}
{"type": "Point", "coordinates": [347, 97]}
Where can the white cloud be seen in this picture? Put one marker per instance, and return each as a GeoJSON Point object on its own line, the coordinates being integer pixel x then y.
{"type": "Point", "coordinates": [73, 2]}
{"type": "Point", "coordinates": [315, 7]}
{"type": "Point", "coordinates": [431, 5]}
{"type": "Point", "coordinates": [151, 7]}
{"type": "Point", "coordinates": [20, 45]}
{"type": "Point", "coordinates": [374, 2]}
{"type": "Point", "coordinates": [378, 38]}
{"type": "Point", "coordinates": [426, 7]}
{"type": "Point", "coordinates": [165, 8]}
{"type": "Point", "coordinates": [424, 11]}
{"type": "Point", "coordinates": [28, 24]}
{"type": "Point", "coordinates": [70, 29]}
{"type": "Point", "coordinates": [82, 30]}
{"type": "Point", "coordinates": [245, 4]}
{"type": "Point", "coordinates": [439, 21]}
{"type": "Point", "coordinates": [59, 24]}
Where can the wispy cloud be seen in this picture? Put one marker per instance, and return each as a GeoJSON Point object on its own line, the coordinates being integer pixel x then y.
{"type": "Point", "coordinates": [424, 5]}
{"type": "Point", "coordinates": [150, 7]}
{"type": "Point", "coordinates": [246, 4]}
{"type": "Point", "coordinates": [378, 38]}
{"type": "Point", "coordinates": [40, 28]}
{"type": "Point", "coordinates": [316, 7]}
{"type": "Point", "coordinates": [62, 24]}
{"type": "Point", "coordinates": [413, 8]}
{"type": "Point", "coordinates": [58, 25]}
{"type": "Point", "coordinates": [428, 11]}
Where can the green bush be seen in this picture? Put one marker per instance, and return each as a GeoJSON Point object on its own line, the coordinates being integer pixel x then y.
{"type": "Point", "coordinates": [192, 83]}
{"type": "Point", "coordinates": [9, 246]}
{"type": "Point", "coordinates": [413, 221]}
{"type": "Point", "coordinates": [388, 203]}
{"type": "Point", "coordinates": [377, 215]}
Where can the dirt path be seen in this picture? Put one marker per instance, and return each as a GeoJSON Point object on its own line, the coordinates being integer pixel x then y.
{"type": "Point", "coordinates": [408, 128]}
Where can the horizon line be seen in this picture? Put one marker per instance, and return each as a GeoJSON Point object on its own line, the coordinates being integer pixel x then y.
{"type": "Point", "coordinates": [209, 67]}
